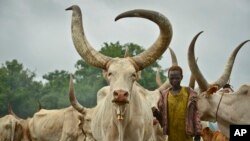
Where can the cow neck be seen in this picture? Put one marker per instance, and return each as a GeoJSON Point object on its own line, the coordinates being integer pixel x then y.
{"type": "Point", "coordinates": [121, 131]}
{"type": "Point", "coordinates": [218, 106]}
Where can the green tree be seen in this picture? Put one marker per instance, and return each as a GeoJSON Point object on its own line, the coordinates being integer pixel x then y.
{"type": "Point", "coordinates": [18, 88]}
{"type": "Point", "coordinates": [89, 80]}
{"type": "Point", "coordinates": [55, 90]}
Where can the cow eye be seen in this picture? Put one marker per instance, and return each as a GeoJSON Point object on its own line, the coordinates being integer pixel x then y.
{"type": "Point", "coordinates": [134, 75]}
{"type": "Point", "coordinates": [109, 74]}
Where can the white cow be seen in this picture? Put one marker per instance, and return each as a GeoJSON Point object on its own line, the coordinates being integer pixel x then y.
{"type": "Point", "coordinates": [124, 114]}
{"type": "Point", "coordinates": [60, 125]}
{"type": "Point", "coordinates": [226, 109]}
{"type": "Point", "coordinates": [7, 128]}
{"type": "Point", "coordinates": [13, 128]}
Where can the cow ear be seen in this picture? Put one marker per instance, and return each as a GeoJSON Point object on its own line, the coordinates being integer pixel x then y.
{"type": "Point", "coordinates": [212, 89]}
{"type": "Point", "coordinates": [104, 74]}
{"type": "Point", "coordinates": [80, 117]}
{"type": "Point", "coordinates": [80, 121]}
{"type": "Point", "coordinates": [138, 75]}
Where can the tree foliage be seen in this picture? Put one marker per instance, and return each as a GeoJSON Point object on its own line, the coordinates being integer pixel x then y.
{"type": "Point", "coordinates": [55, 91]}
{"type": "Point", "coordinates": [88, 81]}
{"type": "Point", "coordinates": [18, 88]}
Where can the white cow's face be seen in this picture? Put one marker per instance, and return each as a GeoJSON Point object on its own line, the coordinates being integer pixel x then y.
{"type": "Point", "coordinates": [203, 104]}
{"type": "Point", "coordinates": [207, 106]}
{"type": "Point", "coordinates": [121, 75]}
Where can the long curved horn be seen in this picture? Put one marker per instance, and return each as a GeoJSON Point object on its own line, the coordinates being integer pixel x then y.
{"type": "Point", "coordinates": [10, 111]}
{"type": "Point", "coordinates": [174, 62]}
{"type": "Point", "coordinates": [191, 83]}
{"type": "Point", "coordinates": [158, 77]}
{"type": "Point", "coordinates": [126, 54]}
{"type": "Point", "coordinates": [173, 57]}
{"type": "Point", "coordinates": [150, 55]}
{"type": "Point", "coordinates": [39, 105]}
{"type": "Point", "coordinates": [202, 82]}
{"type": "Point", "coordinates": [223, 79]}
{"type": "Point", "coordinates": [167, 84]}
{"type": "Point", "coordinates": [192, 79]}
{"type": "Point", "coordinates": [85, 50]}
{"type": "Point", "coordinates": [74, 102]}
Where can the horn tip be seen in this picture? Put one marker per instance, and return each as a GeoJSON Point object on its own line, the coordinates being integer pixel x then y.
{"type": "Point", "coordinates": [131, 13]}
{"type": "Point", "coordinates": [117, 18]}
{"type": "Point", "coordinates": [71, 7]}
{"type": "Point", "coordinates": [200, 32]}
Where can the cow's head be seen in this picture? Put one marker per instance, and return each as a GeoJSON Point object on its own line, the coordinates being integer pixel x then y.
{"type": "Point", "coordinates": [206, 99]}
{"type": "Point", "coordinates": [208, 95]}
{"type": "Point", "coordinates": [85, 124]}
{"type": "Point", "coordinates": [121, 73]}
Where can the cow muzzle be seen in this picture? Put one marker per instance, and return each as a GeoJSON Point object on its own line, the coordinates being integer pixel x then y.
{"type": "Point", "coordinates": [120, 97]}
{"type": "Point", "coordinates": [120, 112]}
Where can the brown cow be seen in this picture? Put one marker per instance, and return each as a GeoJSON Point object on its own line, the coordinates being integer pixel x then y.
{"type": "Point", "coordinates": [209, 135]}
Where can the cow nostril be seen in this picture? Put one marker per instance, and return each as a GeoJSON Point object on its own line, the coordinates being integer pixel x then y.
{"type": "Point", "coordinates": [115, 93]}
{"type": "Point", "coordinates": [126, 94]}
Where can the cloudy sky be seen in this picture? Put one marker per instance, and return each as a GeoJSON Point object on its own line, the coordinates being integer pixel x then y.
{"type": "Point", "coordinates": [38, 35]}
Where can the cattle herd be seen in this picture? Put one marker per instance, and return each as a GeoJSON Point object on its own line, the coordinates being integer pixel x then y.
{"type": "Point", "coordinates": [123, 110]}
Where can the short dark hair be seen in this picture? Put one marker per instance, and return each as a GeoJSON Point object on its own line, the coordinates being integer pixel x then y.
{"type": "Point", "coordinates": [175, 68]}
